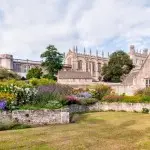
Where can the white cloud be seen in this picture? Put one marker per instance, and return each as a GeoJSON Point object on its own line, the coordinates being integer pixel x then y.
{"type": "Point", "coordinates": [28, 26]}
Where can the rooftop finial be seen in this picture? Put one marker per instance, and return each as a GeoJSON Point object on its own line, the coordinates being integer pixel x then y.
{"type": "Point", "coordinates": [90, 52]}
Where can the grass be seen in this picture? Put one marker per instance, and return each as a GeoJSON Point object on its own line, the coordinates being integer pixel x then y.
{"type": "Point", "coordinates": [94, 131]}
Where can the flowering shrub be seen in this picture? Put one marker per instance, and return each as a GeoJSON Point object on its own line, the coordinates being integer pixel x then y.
{"type": "Point", "coordinates": [17, 95]}
{"type": "Point", "coordinates": [72, 100]}
{"type": "Point", "coordinates": [84, 95]}
{"type": "Point", "coordinates": [2, 104]}
{"type": "Point", "coordinates": [88, 101]}
{"type": "Point", "coordinates": [100, 90]}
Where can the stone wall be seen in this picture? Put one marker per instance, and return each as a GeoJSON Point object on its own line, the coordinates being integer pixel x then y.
{"type": "Point", "coordinates": [37, 117]}
{"type": "Point", "coordinates": [129, 107]}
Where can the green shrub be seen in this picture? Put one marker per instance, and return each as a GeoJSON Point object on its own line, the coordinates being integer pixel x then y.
{"type": "Point", "coordinates": [42, 81]}
{"type": "Point", "coordinates": [145, 110]}
{"type": "Point", "coordinates": [49, 100]}
{"type": "Point", "coordinates": [132, 99]}
{"type": "Point", "coordinates": [145, 98]}
{"type": "Point", "coordinates": [139, 92]}
{"type": "Point", "coordinates": [88, 101]}
{"type": "Point", "coordinates": [112, 98]}
{"type": "Point", "coordinates": [100, 90]}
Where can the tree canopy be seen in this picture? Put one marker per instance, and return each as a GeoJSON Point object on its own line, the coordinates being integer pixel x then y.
{"type": "Point", "coordinates": [119, 65]}
{"type": "Point", "coordinates": [52, 61]}
{"type": "Point", "coordinates": [34, 73]}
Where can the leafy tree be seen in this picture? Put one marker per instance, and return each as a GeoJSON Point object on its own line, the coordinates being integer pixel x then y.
{"type": "Point", "coordinates": [53, 61]}
{"type": "Point", "coordinates": [34, 73]}
{"type": "Point", "coordinates": [119, 65]}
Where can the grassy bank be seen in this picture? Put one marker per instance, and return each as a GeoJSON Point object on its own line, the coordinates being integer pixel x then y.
{"type": "Point", "coordinates": [94, 131]}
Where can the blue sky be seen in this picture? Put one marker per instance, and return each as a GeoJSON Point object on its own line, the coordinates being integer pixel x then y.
{"type": "Point", "coordinates": [27, 27]}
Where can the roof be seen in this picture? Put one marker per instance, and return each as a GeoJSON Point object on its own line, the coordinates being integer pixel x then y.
{"type": "Point", "coordinates": [74, 75]}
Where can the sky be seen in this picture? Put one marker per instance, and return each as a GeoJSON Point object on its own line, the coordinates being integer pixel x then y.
{"type": "Point", "coordinates": [27, 27]}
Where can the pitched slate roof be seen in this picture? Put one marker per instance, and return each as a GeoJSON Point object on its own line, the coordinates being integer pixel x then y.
{"type": "Point", "coordinates": [74, 75]}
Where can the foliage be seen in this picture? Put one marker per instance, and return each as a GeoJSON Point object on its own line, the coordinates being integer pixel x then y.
{"type": "Point", "coordinates": [88, 101]}
{"type": "Point", "coordinates": [78, 90]}
{"type": "Point", "coordinates": [49, 100]}
{"type": "Point", "coordinates": [84, 95]}
{"type": "Point", "coordinates": [18, 95]}
{"type": "Point", "coordinates": [100, 90]}
{"type": "Point", "coordinates": [119, 64]}
{"type": "Point", "coordinates": [145, 110]}
{"type": "Point", "coordinates": [72, 100]}
{"type": "Point", "coordinates": [56, 88]}
{"type": "Point", "coordinates": [52, 60]}
{"type": "Point", "coordinates": [112, 98]}
{"type": "Point", "coordinates": [139, 92]}
{"type": "Point", "coordinates": [7, 96]}
{"type": "Point", "coordinates": [145, 99]}
{"type": "Point", "coordinates": [42, 81]}
{"type": "Point", "coordinates": [34, 73]}
{"type": "Point", "coordinates": [6, 74]}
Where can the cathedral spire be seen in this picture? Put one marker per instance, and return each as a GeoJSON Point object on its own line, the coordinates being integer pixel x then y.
{"type": "Point", "coordinates": [97, 53]}
{"type": "Point", "coordinates": [90, 52]}
{"type": "Point", "coordinates": [84, 51]}
{"type": "Point", "coordinates": [76, 49]}
{"type": "Point", "coordinates": [102, 54]}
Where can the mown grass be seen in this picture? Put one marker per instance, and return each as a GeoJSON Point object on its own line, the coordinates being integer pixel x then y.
{"type": "Point", "coordinates": [94, 131]}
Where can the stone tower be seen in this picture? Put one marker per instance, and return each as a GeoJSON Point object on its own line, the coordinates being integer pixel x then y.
{"type": "Point", "coordinates": [6, 61]}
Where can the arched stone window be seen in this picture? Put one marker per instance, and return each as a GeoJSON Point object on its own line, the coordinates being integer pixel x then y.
{"type": "Point", "coordinates": [87, 68]}
{"type": "Point", "coordinates": [80, 65]}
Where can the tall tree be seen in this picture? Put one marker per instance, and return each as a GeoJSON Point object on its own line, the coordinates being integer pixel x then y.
{"type": "Point", "coordinates": [119, 65]}
{"type": "Point", "coordinates": [52, 61]}
{"type": "Point", "coordinates": [34, 73]}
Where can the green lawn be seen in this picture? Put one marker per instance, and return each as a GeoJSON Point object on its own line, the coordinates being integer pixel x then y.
{"type": "Point", "coordinates": [94, 131]}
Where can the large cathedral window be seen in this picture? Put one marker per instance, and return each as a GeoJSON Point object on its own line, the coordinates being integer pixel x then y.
{"type": "Point", "coordinates": [99, 67]}
{"type": "Point", "coordinates": [93, 66]}
{"type": "Point", "coordinates": [87, 68]}
{"type": "Point", "coordinates": [80, 65]}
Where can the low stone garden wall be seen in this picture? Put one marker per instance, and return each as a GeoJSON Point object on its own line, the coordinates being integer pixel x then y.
{"type": "Point", "coordinates": [37, 117]}
{"type": "Point", "coordinates": [62, 116]}
{"type": "Point", "coordinates": [129, 107]}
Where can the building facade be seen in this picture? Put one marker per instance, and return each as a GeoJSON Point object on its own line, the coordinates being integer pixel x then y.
{"type": "Point", "coordinates": [94, 63]}
{"type": "Point", "coordinates": [19, 66]}
{"type": "Point", "coordinates": [76, 62]}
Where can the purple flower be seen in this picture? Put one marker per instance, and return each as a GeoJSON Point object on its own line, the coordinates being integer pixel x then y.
{"type": "Point", "coordinates": [2, 105]}
{"type": "Point", "coordinates": [84, 95]}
